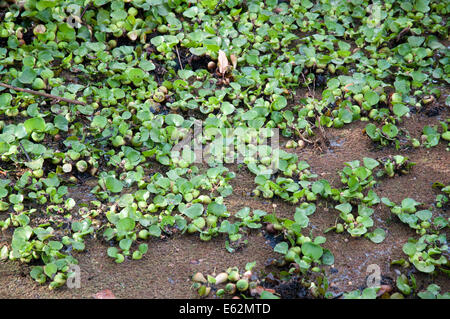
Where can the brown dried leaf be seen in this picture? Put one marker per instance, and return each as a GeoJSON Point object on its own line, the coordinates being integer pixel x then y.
{"type": "Point", "coordinates": [384, 289]}
{"type": "Point", "coordinates": [222, 62]}
{"type": "Point", "coordinates": [233, 59]}
{"type": "Point", "coordinates": [39, 29]}
{"type": "Point", "coordinates": [104, 294]}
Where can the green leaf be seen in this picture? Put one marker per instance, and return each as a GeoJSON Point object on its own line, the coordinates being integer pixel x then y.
{"type": "Point", "coordinates": [126, 224]}
{"type": "Point", "coordinates": [415, 41]}
{"type": "Point", "coordinates": [125, 243]}
{"type": "Point", "coordinates": [154, 230]}
{"type": "Point", "coordinates": [422, 5]}
{"type": "Point", "coordinates": [136, 75]}
{"type": "Point", "coordinates": [402, 86]}
{"type": "Point", "coordinates": [268, 295]}
{"type": "Point", "coordinates": [3, 192]}
{"type": "Point", "coordinates": [194, 211]}
{"type": "Point", "coordinates": [344, 208]}
{"type": "Point", "coordinates": [35, 124]}
{"type": "Point", "coordinates": [112, 252]}
{"type": "Point", "coordinates": [370, 293]}
{"type": "Point", "coordinates": [143, 248]}
{"type": "Point", "coordinates": [61, 123]}
{"type": "Point", "coordinates": [174, 119]}
{"type": "Point", "coordinates": [333, 83]}
{"type": "Point", "coordinates": [371, 98]}
{"type": "Point", "coordinates": [36, 272]}
{"type": "Point", "coordinates": [371, 130]}
{"type": "Point", "coordinates": [50, 269]}
{"type": "Point", "coordinates": [146, 65]}
{"type": "Point", "coordinates": [370, 163]}
{"type": "Point", "coordinates": [27, 76]}
{"type": "Point", "coordinates": [390, 130]}
{"type": "Point", "coordinates": [281, 248]}
{"type": "Point", "coordinates": [227, 108]}
{"type": "Point", "coordinates": [424, 266]}
{"type": "Point", "coordinates": [424, 215]}
{"type": "Point", "coordinates": [418, 76]}
{"type": "Point", "coordinates": [99, 121]}
{"type": "Point", "coordinates": [55, 245]}
{"type": "Point", "coordinates": [279, 103]}
{"type": "Point", "coordinates": [377, 236]}
{"type": "Point", "coordinates": [403, 284]}
{"type": "Point", "coordinates": [66, 32]}
{"type": "Point", "coordinates": [217, 209]}
{"type": "Point", "coordinates": [306, 4]}
{"type": "Point", "coordinates": [409, 248]}
{"type": "Point", "coordinates": [327, 257]}
{"type": "Point", "coordinates": [191, 12]}
{"type": "Point", "coordinates": [400, 109]}
{"type": "Point", "coordinates": [301, 219]}
{"type": "Point", "coordinates": [409, 205]}
{"type": "Point", "coordinates": [185, 74]}
{"type": "Point", "coordinates": [15, 198]}
{"type": "Point", "coordinates": [312, 250]}
{"type": "Point", "coordinates": [113, 184]}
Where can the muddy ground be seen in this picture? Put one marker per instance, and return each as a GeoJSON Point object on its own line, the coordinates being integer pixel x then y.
{"type": "Point", "coordinates": [165, 271]}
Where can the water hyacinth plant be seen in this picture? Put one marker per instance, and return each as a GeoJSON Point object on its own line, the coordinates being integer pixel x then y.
{"type": "Point", "coordinates": [130, 122]}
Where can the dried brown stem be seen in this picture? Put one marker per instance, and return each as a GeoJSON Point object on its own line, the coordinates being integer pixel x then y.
{"type": "Point", "coordinates": [179, 60]}
{"type": "Point", "coordinates": [51, 96]}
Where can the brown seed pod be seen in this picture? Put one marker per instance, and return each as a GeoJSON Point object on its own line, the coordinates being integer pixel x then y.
{"type": "Point", "coordinates": [211, 65]}
{"type": "Point", "coordinates": [270, 228]}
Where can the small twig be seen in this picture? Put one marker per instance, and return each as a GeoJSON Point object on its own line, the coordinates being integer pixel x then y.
{"type": "Point", "coordinates": [178, 54]}
{"type": "Point", "coordinates": [402, 33]}
{"type": "Point", "coordinates": [338, 295]}
{"type": "Point", "coordinates": [58, 98]}
{"type": "Point", "coordinates": [25, 152]}
{"type": "Point", "coordinates": [101, 139]}
{"type": "Point", "coordinates": [322, 132]}
{"type": "Point", "coordinates": [301, 136]}
{"type": "Point", "coordinates": [307, 85]}
{"type": "Point", "coordinates": [84, 10]}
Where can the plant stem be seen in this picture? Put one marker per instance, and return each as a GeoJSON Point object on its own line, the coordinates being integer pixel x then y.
{"type": "Point", "coordinates": [25, 152]}
{"type": "Point", "coordinates": [179, 60]}
{"type": "Point", "coordinates": [58, 98]}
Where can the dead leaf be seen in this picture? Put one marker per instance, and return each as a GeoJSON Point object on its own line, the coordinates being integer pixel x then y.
{"type": "Point", "coordinates": [384, 289]}
{"type": "Point", "coordinates": [222, 62]}
{"type": "Point", "coordinates": [233, 59]}
{"type": "Point", "coordinates": [104, 294]}
{"type": "Point", "coordinates": [258, 290]}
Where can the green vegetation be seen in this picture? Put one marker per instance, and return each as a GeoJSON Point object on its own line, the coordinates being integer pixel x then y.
{"type": "Point", "coordinates": [106, 90]}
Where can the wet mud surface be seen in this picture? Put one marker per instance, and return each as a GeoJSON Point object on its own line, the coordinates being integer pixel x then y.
{"type": "Point", "coordinates": [165, 271]}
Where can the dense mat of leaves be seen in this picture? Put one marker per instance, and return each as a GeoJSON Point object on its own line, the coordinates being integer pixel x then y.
{"type": "Point", "coordinates": [126, 81]}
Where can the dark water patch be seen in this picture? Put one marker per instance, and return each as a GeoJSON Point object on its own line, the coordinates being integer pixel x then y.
{"type": "Point", "coordinates": [273, 240]}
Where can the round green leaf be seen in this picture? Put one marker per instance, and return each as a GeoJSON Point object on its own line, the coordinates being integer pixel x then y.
{"type": "Point", "coordinates": [113, 184]}
{"type": "Point", "coordinates": [377, 236]}
{"type": "Point", "coordinates": [35, 124]}
{"type": "Point", "coordinates": [312, 250]}
{"type": "Point", "coordinates": [126, 224]}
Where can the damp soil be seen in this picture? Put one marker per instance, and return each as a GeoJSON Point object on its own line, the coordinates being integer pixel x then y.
{"type": "Point", "coordinates": [165, 271]}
